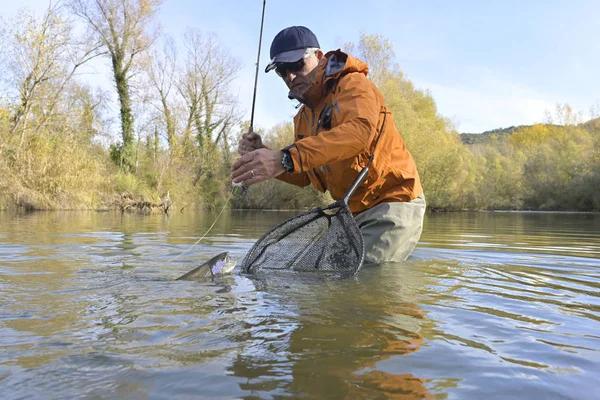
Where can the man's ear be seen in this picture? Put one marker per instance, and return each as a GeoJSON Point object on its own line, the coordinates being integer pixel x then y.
{"type": "Point", "coordinates": [321, 58]}
{"type": "Point", "coordinates": [319, 54]}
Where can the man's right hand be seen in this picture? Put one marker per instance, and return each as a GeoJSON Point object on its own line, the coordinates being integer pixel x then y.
{"type": "Point", "coordinates": [250, 141]}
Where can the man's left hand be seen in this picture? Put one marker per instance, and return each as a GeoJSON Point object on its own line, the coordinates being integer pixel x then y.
{"type": "Point", "coordinates": [257, 166]}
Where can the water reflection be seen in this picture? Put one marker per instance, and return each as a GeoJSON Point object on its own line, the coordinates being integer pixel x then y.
{"type": "Point", "coordinates": [490, 305]}
{"type": "Point", "coordinates": [318, 339]}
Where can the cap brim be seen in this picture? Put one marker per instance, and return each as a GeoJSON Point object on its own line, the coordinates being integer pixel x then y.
{"type": "Point", "coordinates": [285, 57]}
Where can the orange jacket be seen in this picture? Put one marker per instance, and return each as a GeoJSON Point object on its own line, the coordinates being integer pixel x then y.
{"type": "Point", "coordinates": [335, 133]}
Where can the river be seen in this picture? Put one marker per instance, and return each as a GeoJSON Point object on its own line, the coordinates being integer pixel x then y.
{"type": "Point", "coordinates": [490, 305]}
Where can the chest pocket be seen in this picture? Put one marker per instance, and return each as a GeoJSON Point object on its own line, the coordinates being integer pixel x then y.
{"type": "Point", "coordinates": [325, 117]}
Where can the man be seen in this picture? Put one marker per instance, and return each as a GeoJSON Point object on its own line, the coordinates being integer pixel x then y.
{"type": "Point", "coordinates": [336, 131]}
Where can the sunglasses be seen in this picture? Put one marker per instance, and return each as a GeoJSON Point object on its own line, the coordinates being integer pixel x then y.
{"type": "Point", "coordinates": [282, 69]}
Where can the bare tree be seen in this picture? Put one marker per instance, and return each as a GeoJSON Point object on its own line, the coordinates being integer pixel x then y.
{"type": "Point", "coordinates": [121, 26]}
{"type": "Point", "coordinates": [204, 85]}
{"type": "Point", "coordinates": [44, 57]}
{"type": "Point", "coordinates": [161, 70]}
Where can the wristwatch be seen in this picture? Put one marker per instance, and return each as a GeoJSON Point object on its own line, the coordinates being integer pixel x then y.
{"type": "Point", "coordinates": [287, 161]}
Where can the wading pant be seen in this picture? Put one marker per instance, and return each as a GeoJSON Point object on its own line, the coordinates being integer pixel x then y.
{"type": "Point", "coordinates": [391, 230]}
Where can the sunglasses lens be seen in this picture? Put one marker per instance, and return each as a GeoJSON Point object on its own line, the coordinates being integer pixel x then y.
{"type": "Point", "coordinates": [280, 70]}
{"type": "Point", "coordinates": [284, 68]}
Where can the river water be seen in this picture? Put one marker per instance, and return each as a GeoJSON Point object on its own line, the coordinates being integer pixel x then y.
{"type": "Point", "coordinates": [490, 305]}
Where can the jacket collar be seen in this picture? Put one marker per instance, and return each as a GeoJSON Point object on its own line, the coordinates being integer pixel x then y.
{"type": "Point", "coordinates": [337, 64]}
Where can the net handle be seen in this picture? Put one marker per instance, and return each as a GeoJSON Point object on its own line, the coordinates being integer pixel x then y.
{"type": "Point", "coordinates": [355, 184]}
{"type": "Point", "coordinates": [365, 170]}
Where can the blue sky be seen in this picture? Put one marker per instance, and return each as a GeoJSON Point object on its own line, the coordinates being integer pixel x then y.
{"type": "Point", "coordinates": [488, 64]}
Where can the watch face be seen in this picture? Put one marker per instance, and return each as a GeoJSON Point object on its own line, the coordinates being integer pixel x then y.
{"type": "Point", "coordinates": [287, 162]}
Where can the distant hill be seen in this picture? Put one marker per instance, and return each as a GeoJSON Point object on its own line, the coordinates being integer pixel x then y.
{"type": "Point", "coordinates": [484, 137]}
{"type": "Point", "coordinates": [592, 124]}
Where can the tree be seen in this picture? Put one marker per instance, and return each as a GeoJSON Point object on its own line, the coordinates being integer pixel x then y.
{"type": "Point", "coordinates": [44, 57]}
{"type": "Point", "coordinates": [558, 159]}
{"type": "Point", "coordinates": [379, 55]}
{"type": "Point", "coordinates": [161, 71]}
{"type": "Point", "coordinates": [563, 115]}
{"type": "Point", "coordinates": [121, 27]}
{"type": "Point", "coordinates": [204, 85]}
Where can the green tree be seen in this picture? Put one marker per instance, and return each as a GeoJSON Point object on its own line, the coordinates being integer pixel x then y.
{"type": "Point", "coordinates": [121, 27]}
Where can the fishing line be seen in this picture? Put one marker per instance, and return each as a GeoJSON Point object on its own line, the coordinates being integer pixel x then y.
{"type": "Point", "coordinates": [206, 233]}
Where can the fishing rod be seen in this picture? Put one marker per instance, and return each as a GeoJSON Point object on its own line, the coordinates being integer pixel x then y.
{"type": "Point", "coordinates": [262, 21]}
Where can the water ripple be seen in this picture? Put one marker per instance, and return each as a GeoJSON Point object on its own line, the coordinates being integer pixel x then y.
{"type": "Point", "coordinates": [496, 305]}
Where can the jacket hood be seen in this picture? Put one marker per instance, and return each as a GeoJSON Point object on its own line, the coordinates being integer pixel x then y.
{"type": "Point", "coordinates": [337, 65]}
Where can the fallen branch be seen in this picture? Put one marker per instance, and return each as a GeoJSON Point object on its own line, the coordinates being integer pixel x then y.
{"type": "Point", "coordinates": [127, 202]}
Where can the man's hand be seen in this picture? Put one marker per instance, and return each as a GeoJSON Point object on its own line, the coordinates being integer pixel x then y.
{"type": "Point", "coordinates": [250, 141]}
{"type": "Point", "coordinates": [257, 166]}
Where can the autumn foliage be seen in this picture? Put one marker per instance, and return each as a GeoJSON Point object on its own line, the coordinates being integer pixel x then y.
{"type": "Point", "coordinates": [176, 128]}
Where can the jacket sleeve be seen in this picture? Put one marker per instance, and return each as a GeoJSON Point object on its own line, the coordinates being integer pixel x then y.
{"type": "Point", "coordinates": [355, 127]}
{"type": "Point", "coordinates": [300, 179]}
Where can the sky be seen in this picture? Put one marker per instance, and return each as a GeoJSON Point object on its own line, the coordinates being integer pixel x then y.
{"type": "Point", "coordinates": [487, 64]}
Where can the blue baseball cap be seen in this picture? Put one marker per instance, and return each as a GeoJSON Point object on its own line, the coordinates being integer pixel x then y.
{"type": "Point", "coordinates": [289, 45]}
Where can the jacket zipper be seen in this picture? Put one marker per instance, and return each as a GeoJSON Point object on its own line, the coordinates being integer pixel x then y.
{"type": "Point", "coordinates": [316, 170]}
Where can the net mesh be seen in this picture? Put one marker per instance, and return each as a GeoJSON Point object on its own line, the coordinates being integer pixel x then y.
{"type": "Point", "coordinates": [321, 240]}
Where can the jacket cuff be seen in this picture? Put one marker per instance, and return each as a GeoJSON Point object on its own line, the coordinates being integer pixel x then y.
{"type": "Point", "coordinates": [296, 158]}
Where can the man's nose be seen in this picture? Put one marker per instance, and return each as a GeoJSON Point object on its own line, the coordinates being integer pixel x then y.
{"type": "Point", "coordinates": [290, 77]}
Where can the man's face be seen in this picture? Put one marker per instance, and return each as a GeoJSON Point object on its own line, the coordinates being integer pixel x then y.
{"type": "Point", "coordinates": [299, 75]}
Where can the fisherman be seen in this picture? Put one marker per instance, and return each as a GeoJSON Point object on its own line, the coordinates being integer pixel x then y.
{"type": "Point", "coordinates": [336, 132]}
